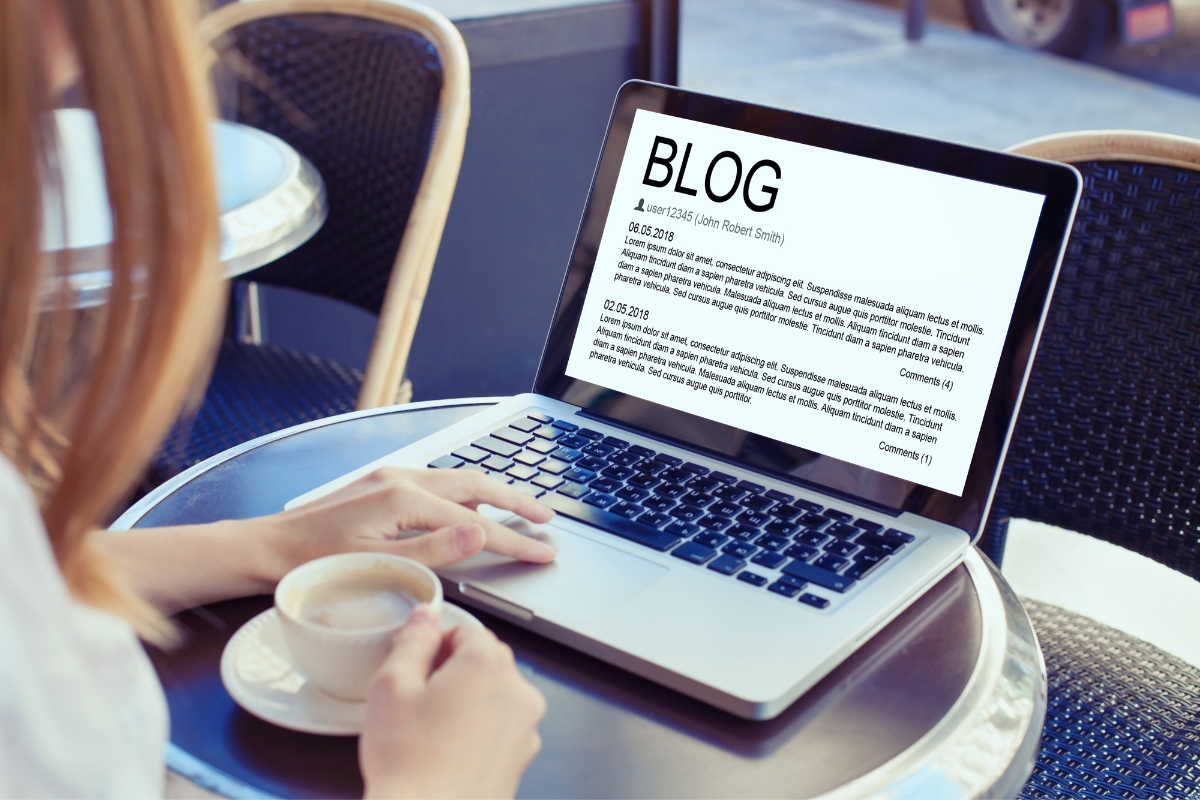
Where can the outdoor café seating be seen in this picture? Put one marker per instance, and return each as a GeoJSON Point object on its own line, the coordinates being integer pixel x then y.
{"type": "Point", "coordinates": [1107, 444]}
{"type": "Point", "coordinates": [378, 101]}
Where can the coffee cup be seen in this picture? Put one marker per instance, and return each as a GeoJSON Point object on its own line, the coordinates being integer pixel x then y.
{"type": "Point", "coordinates": [340, 613]}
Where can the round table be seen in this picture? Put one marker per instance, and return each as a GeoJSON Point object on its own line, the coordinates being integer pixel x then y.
{"type": "Point", "coordinates": [271, 200]}
{"type": "Point", "coordinates": [947, 701]}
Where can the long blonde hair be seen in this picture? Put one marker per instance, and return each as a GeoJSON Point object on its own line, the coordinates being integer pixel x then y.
{"type": "Point", "coordinates": [86, 397]}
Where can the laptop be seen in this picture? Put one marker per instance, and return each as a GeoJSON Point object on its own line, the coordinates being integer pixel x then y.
{"type": "Point", "coordinates": [775, 394]}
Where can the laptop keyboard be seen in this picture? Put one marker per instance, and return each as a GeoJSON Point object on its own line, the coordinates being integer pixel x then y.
{"type": "Point", "coordinates": [715, 520]}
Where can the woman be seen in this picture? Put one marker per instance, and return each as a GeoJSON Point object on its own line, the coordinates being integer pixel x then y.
{"type": "Point", "coordinates": [85, 400]}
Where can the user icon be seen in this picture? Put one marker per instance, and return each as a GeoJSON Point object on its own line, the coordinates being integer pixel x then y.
{"type": "Point", "coordinates": [639, 205]}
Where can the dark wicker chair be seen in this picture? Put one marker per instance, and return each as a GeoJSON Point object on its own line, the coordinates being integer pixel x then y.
{"type": "Point", "coordinates": [376, 95]}
{"type": "Point", "coordinates": [1108, 444]}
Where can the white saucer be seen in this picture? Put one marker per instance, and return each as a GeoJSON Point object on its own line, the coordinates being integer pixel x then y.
{"type": "Point", "coordinates": [259, 673]}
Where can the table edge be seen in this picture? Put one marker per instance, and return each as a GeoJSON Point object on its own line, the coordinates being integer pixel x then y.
{"type": "Point", "coordinates": [135, 512]}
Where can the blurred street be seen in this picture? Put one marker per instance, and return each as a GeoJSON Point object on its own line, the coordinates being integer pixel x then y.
{"type": "Point", "coordinates": [849, 59]}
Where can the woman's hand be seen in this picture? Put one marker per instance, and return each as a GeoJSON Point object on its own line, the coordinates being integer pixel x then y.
{"type": "Point", "coordinates": [382, 510]}
{"type": "Point", "coordinates": [448, 715]}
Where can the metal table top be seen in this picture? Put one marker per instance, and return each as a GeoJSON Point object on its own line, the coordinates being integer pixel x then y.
{"type": "Point", "coordinates": [947, 701]}
{"type": "Point", "coordinates": [271, 200]}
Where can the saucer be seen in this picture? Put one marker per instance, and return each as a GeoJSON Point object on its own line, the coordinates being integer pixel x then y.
{"type": "Point", "coordinates": [259, 673]}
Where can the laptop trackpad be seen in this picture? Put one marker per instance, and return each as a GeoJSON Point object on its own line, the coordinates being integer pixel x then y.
{"type": "Point", "coordinates": [586, 580]}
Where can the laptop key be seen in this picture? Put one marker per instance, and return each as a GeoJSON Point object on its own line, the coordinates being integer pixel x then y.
{"type": "Point", "coordinates": [687, 513]}
{"type": "Point", "coordinates": [867, 525]}
{"type": "Point", "coordinates": [810, 599]}
{"type": "Point", "coordinates": [723, 477]}
{"type": "Point", "coordinates": [712, 522]}
{"type": "Point", "coordinates": [752, 578]}
{"type": "Point", "coordinates": [694, 553]}
{"type": "Point", "coordinates": [553, 466]}
{"type": "Point", "coordinates": [529, 489]}
{"type": "Point", "coordinates": [669, 460]}
{"type": "Point", "coordinates": [769, 560]}
{"type": "Point", "coordinates": [567, 454]}
{"type": "Point", "coordinates": [512, 435]}
{"type": "Point", "coordinates": [522, 472]}
{"type": "Point", "coordinates": [572, 441]}
{"type": "Point", "coordinates": [578, 475]}
{"type": "Point", "coordinates": [758, 502]}
{"type": "Point", "coordinates": [681, 528]}
{"type": "Point", "coordinates": [782, 497]}
{"type": "Point", "coordinates": [659, 503]}
{"type": "Point", "coordinates": [643, 480]}
{"type": "Point", "coordinates": [494, 445]}
{"type": "Point", "coordinates": [842, 530]}
{"type": "Point", "coordinates": [563, 425]}
{"type": "Point", "coordinates": [838, 547]}
{"type": "Point", "coordinates": [641, 452]}
{"type": "Point", "coordinates": [750, 486]}
{"type": "Point", "coordinates": [626, 509]}
{"type": "Point", "coordinates": [892, 533]}
{"type": "Point", "coordinates": [624, 458]}
{"type": "Point", "coordinates": [475, 468]}
{"type": "Point", "coordinates": [655, 519]}
{"type": "Point", "coordinates": [730, 494]}
{"type": "Point", "coordinates": [632, 493]}
{"type": "Point", "coordinates": [831, 562]}
{"type": "Point", "coordinates": [769, 541]}
{"type": "Point", "coordinates": [676, 475]}
{"type": "Point", "coordinates": [703, 484]}
{"type": "Point", "coordinates": [590, 434]}
{"type": "Point", "coordinates": [807, 505]}
{"type": "Point", "coordinates": [699, 499]}
{"type": "Point", "coordinates": [617, 472]}
{"type": "Point", "coordinates": [879, 542]}
{"type": "Point", "coordinates": [813, 538]}
{"type": "Point", "coordinates": [573, 490]}
{"type": "Point", "coordinates": [598, 449]}
{"type": "Point", "coordinates": [801, 552]}
{"type": "Point", "coordinates": [861, 569]}
{"type": "Point", "coordinates": [743, 532]}
{"type": "Point", "coordinates": [547, 481]}
{"type": "Point", "coordinates": [785, 589]}
{"type": "Point", "coordinates": [612, 523]}
{"type": "Point", "coordinates": [652, 467]}
{"type": "Point", "coordinates": [542, 446]}
{"type": "Point", "coordinates": [792, 581]}
{"type": "Point", "coordinates": [547, 432]}
{"type": "Point", "coordinates": [470, 453]}
{"type": "Point", "coordinates": [840, 516]}
{"type": "Point", "coordinates": [723, 508]}
{"type": "Point", "coordinates": [695, 468]}
{"type": "Point", "coordinates": [755, 518]}
{"type": "Point", "coordinates": [814, 521]}
{"type": "Point", "coordinates": [821, 577]}
{"type": "Point", "coordinates": [726, 564]}
{"type": "Point", "coordinates": [445, 462]}
{"type": "Point", "coordinates": [497, 463]}
{"type": "Point", "coordinates": [599, 499]}
{"type": "Point", "coordinates": [787, 512]}
{"type": "Point", "coordinates": [739, 549]}
{"type": "Point", "coordinates": [527, 425]}
{"type": "Point", "coordinates": [529, 459]}
{"type": "Point", "coordinates": [591, 463]}
{"type": "Point", "coordinates": [540, 417]}
{"type": "Point", "coordinates": [605, 485]}
{"type": "Point", "coordinates": [870, 555]}
{"type": "Point", "coordinates": [671, 490]}
{"type": "Point", "coordinates": [710, 539]}
{"type": "Point", "coordinates": [781, 528]}
{"type": "Point", "coordinates": [613, 441]}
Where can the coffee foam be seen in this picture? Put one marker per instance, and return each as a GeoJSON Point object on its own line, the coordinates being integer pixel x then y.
{"type": "Point", "coordinates": [372, 597]}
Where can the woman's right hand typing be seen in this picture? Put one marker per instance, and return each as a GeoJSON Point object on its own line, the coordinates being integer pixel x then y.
{"type": "Point", "coordinates": [448, 715]}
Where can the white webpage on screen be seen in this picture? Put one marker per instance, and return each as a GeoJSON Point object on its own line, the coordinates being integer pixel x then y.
{"type": "Point", "coordinates": [853, 307]}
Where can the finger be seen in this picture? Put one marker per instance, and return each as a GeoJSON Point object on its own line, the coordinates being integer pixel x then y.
{"type": "Point", "coordinates": [472, 488]}
{"type": "Point", "coordinates": [414, 649]}
{"type": "Point", "coordinates": [446, 545]}
{"type": "Point", "coordinates": [433, 512]}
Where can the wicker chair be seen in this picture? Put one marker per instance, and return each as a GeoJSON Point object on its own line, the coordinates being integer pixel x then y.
{"type": "Point", "coordinates": [1108, 444]}
{"type": "Point", "coordinates": [376, 95]}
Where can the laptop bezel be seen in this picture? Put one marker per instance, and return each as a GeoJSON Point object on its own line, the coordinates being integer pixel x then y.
{"type": "Point", "coordinates": [1059, 183]}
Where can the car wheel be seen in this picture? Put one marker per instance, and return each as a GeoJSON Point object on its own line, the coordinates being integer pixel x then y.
{"type": "Point", "coordinates": [1059, 26]}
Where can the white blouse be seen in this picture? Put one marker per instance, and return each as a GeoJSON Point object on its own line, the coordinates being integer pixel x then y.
{"type": "Point", "coordinates": [82, 713]}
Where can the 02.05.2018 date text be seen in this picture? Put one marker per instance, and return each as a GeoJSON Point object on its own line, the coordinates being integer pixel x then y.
{"type": "Point", "coordinates": [627, 310]}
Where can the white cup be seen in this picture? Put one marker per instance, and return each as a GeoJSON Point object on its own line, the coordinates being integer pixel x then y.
{"type": "Point", "coordinates": [341, 661]}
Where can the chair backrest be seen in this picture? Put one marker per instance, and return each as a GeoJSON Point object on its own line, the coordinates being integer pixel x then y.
{"type": "Point", "coordinates": [376, 95]}
{"type": "Point", "coordinates": [1108, 438]}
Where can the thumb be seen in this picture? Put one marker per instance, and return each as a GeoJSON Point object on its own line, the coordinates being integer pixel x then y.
{"type": "Point", "coordinates": [414, 649]}
{"type": "Point", "coordinates": [443, 546]}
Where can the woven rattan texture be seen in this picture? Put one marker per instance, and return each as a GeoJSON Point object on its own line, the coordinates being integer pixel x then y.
{"type": "Point", "coordinates": [256, 390]}
{"type": "Point", "coordinates": [359, 99]}
{"type": "Point", "coordinates": [1108, 438]}
{"type": "Point", "coordinates": [1123, 718]}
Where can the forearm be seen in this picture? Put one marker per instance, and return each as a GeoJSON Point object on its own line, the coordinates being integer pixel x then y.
{"type": "Point", "coordinates": [180, 567]}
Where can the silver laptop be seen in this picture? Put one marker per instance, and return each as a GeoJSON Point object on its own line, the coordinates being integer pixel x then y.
{"type": "Point", "coordinates": [775, 393]}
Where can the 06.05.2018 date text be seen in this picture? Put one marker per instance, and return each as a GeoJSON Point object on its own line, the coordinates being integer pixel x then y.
{"type": "Point", "coordinates": [627, 310]}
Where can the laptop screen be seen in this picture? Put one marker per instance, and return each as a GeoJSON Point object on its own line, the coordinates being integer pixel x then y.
{"type": "Point", "coordinates": [819, 312]}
